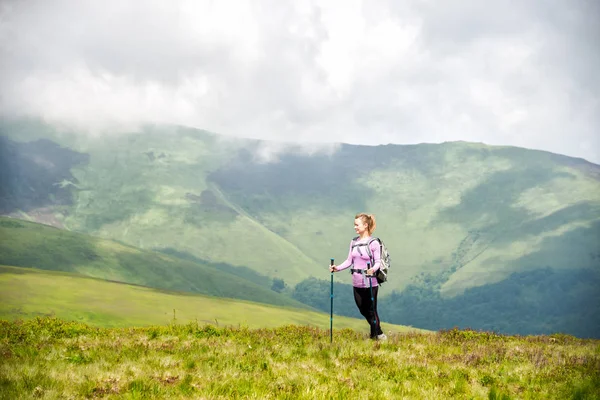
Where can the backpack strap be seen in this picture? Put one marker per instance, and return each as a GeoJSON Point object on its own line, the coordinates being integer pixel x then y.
{"type": "Point", "coordinates": [371, 256]}
{"type": "Point", "coordinates": [357, 245]}
{"type": "Point", "coordinates": [352, 245]}
{"type": "Point", "coordinates": [368, 245]}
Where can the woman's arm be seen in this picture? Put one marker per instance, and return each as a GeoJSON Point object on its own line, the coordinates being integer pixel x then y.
{"type": "Point", "coordinates": [348, 261]}
{"type": "Point", "coordinates": [376, 251]}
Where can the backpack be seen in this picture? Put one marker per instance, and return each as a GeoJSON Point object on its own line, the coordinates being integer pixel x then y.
{"type": "Point", "coordinates": [385, 259]}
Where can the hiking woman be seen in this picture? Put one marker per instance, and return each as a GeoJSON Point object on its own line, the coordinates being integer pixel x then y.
{"type": "Point", "coordinates": [358, 257]}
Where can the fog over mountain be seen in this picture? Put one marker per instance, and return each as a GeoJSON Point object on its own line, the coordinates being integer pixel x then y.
{"type": "Point", "coordinates": [510, 73]}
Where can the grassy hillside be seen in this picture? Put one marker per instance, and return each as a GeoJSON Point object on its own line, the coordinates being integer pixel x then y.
{"type": "Point", "coordinates": [27, 293]}
{"type": "Point", "coordinates": [456, 216]}
{"type": "Point", "coordinates": [52, 359]}
{"type": "Point", "coordinates": [149, 190]}
{"type": "Point", "coordinates": [473, 213]}
{"type": "Point", "coordinates": [27, 244]}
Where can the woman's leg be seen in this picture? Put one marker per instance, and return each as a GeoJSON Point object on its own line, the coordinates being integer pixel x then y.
{"type": "Point", "coordinates": [376, 326]}
{"type": "Point", "coordinates": [360, 301]}
{"type": "Point", "coordinates": [362, 297]}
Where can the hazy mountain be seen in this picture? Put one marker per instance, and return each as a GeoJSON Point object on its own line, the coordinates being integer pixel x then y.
{"type": "Point", "coordinates": [457, 217]}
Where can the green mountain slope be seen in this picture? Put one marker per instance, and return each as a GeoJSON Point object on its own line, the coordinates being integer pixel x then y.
{"type": "Point", "coordinates": [150, 191]}
{"type": "Point", "coordinates": [456, 216]}
{"type": "Point", "coordinates": [29, 292]}
{"type": "Point", "coordinates": [27, 244]}
{"type": "Point", "coordinates": [454, 209]}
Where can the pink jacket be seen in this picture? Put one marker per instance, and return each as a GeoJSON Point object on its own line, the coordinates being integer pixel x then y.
{"type": "Point", "coordinates": [358, 259]}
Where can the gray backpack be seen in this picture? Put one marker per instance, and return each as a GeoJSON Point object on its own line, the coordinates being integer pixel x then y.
{"type": "Point", "coordinates": [382, 273]}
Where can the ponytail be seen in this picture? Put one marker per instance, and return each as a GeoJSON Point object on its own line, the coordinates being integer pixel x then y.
{"type": "Point", "coordinates": [372, 223]}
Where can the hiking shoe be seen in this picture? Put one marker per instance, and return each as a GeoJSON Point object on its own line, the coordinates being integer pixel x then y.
{"type": "Point", "coordinates": [382, 337]}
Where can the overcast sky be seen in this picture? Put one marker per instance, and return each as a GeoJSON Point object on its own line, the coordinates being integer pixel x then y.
{"type": "Point", "coordinates": [520, 72]}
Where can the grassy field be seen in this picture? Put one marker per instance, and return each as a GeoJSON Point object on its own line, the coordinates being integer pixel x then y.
{"type": "Point", "coordinates": [27, 293]}
{"type": "Point", "coordinates": [53, 359]}
{"type": "Point", "coordinates": [27, 244]}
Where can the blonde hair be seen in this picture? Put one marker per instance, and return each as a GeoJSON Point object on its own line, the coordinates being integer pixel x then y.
{"type": "Point", "coordinates": [368, 219]}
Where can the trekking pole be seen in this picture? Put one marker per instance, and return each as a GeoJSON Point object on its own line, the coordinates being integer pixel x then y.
{"type": "Point", "coordinates": [372, 299]}
{"type": "Point", "coordinates": [331, 309]}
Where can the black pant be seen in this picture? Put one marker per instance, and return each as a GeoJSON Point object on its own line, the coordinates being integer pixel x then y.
{"type": "Point", "coordinates": [368, 309]}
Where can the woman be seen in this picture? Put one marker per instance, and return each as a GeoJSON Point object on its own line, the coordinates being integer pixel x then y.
{"type": "Point", "coordinates": [358, 257]}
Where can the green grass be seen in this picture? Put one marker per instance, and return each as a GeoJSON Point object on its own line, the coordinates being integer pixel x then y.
{"type": "Point", "coordinates": [28, 293]}
{"type": "Point", "coordinates": [52, 359]}
{"type": "Point", "coordinates": [27, 244]}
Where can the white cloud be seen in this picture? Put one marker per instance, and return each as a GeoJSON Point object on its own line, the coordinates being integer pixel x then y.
{"type": "Point", "coordinates": [511, 73]}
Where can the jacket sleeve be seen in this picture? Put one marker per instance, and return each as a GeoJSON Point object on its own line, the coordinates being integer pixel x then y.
{"type": "Point", "coordinates": [376, 251]}
{"type": "Point", "coordinates": [348, 261]}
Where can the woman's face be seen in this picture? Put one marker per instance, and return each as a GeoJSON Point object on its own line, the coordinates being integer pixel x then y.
{"type": "Point", "coordinates": [359, 226]}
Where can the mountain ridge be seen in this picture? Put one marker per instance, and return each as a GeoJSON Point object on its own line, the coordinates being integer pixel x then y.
{"type": "Point", "coordinates": [456, 216]}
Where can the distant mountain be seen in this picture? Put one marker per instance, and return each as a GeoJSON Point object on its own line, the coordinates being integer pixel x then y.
{"type": "Point", "coordinates": [456, 216]}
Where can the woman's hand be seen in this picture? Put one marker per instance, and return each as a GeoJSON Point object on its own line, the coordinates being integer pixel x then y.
{"type": "Point", "coordinates": [332, 268]}
{"type": "Point", "coordinates": [370, 272]}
